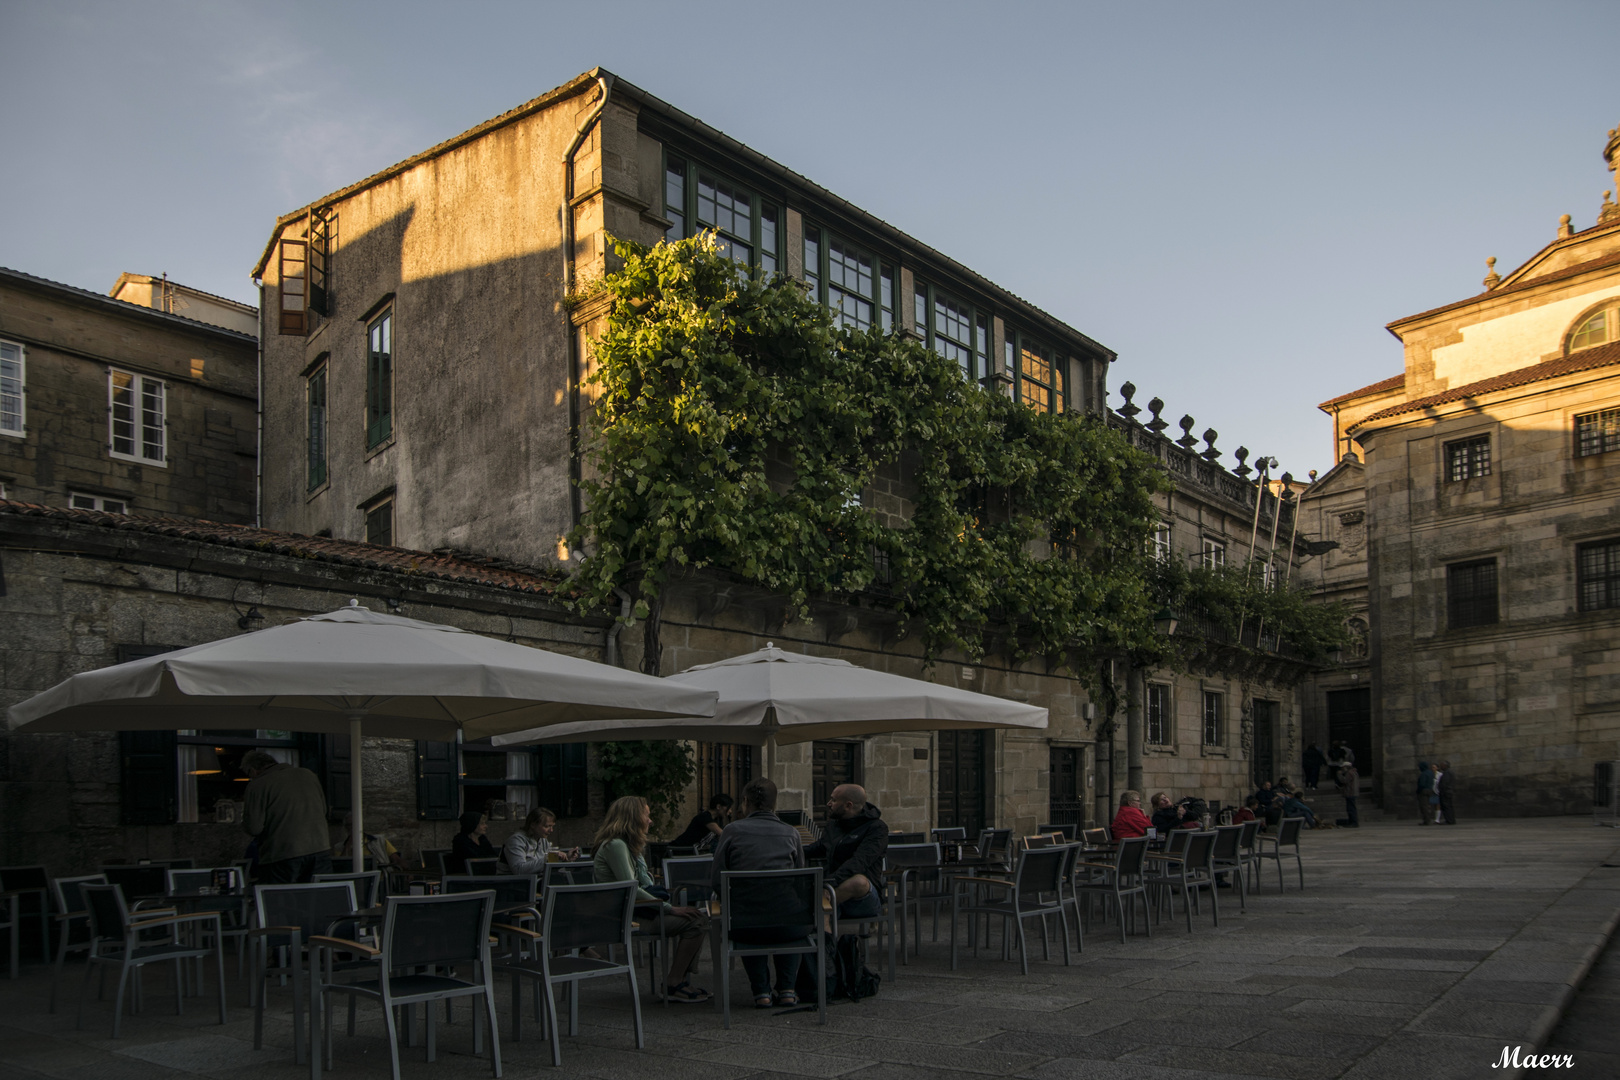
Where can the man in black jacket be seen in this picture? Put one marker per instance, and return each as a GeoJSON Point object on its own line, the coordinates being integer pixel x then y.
{"type": "Point", "coordinates": [853, 847]}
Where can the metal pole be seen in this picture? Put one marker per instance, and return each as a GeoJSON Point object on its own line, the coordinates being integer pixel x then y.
{"type": "Point", "coordinates": [1133, 728]}
{"type": "Point", "coordinates": [1293, 531]}
{"type": "Point", "coordinates": [357, 832]}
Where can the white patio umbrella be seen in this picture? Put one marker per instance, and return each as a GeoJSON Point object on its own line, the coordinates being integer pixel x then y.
{"type": "Point", "coordinates": [772, 695]}
{"type": "Point", "coordinates": [351, 670]}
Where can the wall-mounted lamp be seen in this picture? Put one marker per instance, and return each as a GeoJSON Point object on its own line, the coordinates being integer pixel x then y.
{"type": "Point", "coordinates": [252, 619]}
{"type": "Point", "coordinates": [1165, 622]}
{"type": "Point", "coordinates": [1335, 655]}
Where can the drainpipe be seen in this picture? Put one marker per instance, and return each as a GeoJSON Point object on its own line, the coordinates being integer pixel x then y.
{"type": "Point", "coordinates": [611, 656]}
{"type": "Point", "coordinates": [605, 81]}
{"type": "Point", "coordinates": [258, 413]}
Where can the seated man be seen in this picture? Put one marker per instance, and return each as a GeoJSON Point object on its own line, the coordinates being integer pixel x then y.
{"type": "Point", "coordinates": [705, 826]}
{"type": "Point", "coordinates": [1290, 806]}
{"type": "Point", "coordinates": [1248, 811]}
{"type": "Point", "coordinates": [762, 841]}
{"type": "Point", "coordinates": [1168, 816]}
{"type": "Point", "coordinates": [853, 847]}
{"type": "Point", "coordinates": [1129, 821]}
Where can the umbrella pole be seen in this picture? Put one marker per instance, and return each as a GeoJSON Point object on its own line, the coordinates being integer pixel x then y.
{"type": "Point", "coordinates": [357, 833]}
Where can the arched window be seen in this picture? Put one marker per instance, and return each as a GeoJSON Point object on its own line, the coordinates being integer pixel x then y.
{"type": "Point", "coordinates": [1595, 330]}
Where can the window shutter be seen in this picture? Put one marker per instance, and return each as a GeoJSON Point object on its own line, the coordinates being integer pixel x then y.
{"type": "Point", "coordinates": [437, 790]}
{"type": "Point", "coordinates": [320, 254]}
{"type": "Point", "coordinates": [149, 777]}
{"type": "Point", "coordinates": [565, 779]}
{"type": "Point", "coordinates": [327, 756]}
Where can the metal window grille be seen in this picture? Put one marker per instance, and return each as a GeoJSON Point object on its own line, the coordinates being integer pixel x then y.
{"type": "Point", "coordinates": [1468, 458]}
{"type": "Point", "coordinates": [1157, 714]}
{"type": "Point", "coordinates": [1214, 717]}
{"type": "Point", "coordinates": [1598, 574]}
{"type": "Point", "coordinates": [1597, 433]}
{"type": "Point", "coordinates": [1471, 594]}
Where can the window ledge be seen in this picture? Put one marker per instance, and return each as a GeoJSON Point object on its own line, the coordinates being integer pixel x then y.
{"type": "Point", "coordinates": [373, 451]}
{"type": "Point", "coordinates": [1215, 751]}
{"type": "Point", "coordinates": [1165, 751]}
{"type": "Point", "coordinates": [313, 493]}
{"type": "Point", "coordinates": [133, 460]}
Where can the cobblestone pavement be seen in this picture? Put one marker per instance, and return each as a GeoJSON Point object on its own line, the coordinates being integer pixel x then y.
{"type": "Point", "coordinates": [1411, 952]}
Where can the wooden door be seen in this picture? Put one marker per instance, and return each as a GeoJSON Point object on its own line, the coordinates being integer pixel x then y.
{"type": "Point", "coordinates": [961, 781]}
{"type": "Point", "coordinates": [832, 763]}
{"type": "Point", "coordinates": [1264, 756]}
{"type": "Point", "coordinates": [1066, 795]}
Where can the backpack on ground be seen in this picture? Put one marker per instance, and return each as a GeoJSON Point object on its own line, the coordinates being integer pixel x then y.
{"type": "Point", "coordinates": [847, 976]}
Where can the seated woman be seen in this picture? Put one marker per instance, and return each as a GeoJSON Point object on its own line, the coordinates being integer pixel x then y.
{"type": "Point", "coordinates": [472, 842]}
{"type": "Point", "coordinates": [1248, 812]}
{"type": "Point", "coordinates": [1290, 806]}
{"type": "Point", "coordinates": [526, 851]}
{"type": "Point", "coordinates": [1129, 821]}
{"type": "Point", "coordinates": [619, 845]}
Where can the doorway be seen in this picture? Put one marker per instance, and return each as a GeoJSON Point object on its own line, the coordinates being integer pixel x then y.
{"type": "Point", "coordinates": [1066, 795]}
{"type": "Point", "coordinates": [1349, 715]}
{"type": "Point", "coordinates": [961, 781]}
{"type": "Point", "coordinates": [831, 764]}
{"type": "Point", "coordinates": [1264, 757]}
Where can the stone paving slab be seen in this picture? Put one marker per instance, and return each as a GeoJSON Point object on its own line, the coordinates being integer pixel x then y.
{"type": "Point", "coordinates": [1410, 953]}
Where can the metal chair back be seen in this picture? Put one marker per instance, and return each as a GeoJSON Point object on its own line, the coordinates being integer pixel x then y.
{"type": "Point", "coordinates": [151, 879]}
{"type": "Point", "coordinates": [760, 899]}
{"type": "Point", "coordinates": [1095, 837]}
{"type": "Point", "coordinates": [1227, 838]}
{"type": "Point", "coordinates": [511, 890]}
{"type": "Point", "coordinates": [585, 916]}
{"type": "Point", "coordinates": [483, 867]}
{"type": "Point", "coordinates": [1199, 851]}
{"type": "Point", "coordinates": [568, 873]}
{"type": "Point", "coordinates": [1176, 842]}
{"type": "Point", "coordinates": [107, 910]}
{"type": "Point", "coordinates": [1288, 832]}
{"type": "Point", "coordinates": [1130, 856]}
{"type": "Point", "coordinates": [431, 859]}
{"type": "Point", "coordinates": [312, 908]}
{"type": "Point", "coordinates": [425, 931]}
{"type": "Point", "coordinates": [689, 879]}
{"type": "Point", "coordinates": [1039, 840]}
{"type": "Point", "coordinates": [367, 886]}
{"type": "Point", "coordinates": [19, 878]}
{"type": "Point", "coordinates": [948, 836]}
{"type": "Point", "coordinates": [66, 890]}
{"type": "Point", "coordinates": [907, 837]}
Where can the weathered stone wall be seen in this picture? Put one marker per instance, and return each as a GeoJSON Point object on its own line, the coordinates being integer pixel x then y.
{"type": "Point", "coordinates": [74, 593]}
{"type": "Point", "coordinates": [71, 341]}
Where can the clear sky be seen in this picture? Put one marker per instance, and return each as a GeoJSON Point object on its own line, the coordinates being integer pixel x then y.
{"type": "Point", "coordinates": [1235, 197]}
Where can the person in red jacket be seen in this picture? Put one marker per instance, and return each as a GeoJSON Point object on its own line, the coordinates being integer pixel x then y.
{"type": "Point", "coordinates": [1130, 821]}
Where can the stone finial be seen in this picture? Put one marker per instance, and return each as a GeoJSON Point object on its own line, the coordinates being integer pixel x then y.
{"type": "Point", "coordinates": [1127, 390]}
{"type": "Point", "coordinates": [1565, 229]}
{"type": "Point", "coordinates": [1157, 424]}
{"type": "Point", "coordinates": [1611, 157]}
{"type": "Point", "coordinates": [1187, 442]}
{"type": "Point", "coordinates": [1313, 476]}
{"type": "Point", "coordinates": [1242, 455]}
{"type": "Point", "coordinates": [1492, 278]}
{"type": "Point", "coordinates": [1210, 453]}
{"type": "Point", "coordinates": [1608, 210]}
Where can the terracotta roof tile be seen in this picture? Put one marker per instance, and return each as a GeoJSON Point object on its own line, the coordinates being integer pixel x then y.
{"type": "Point", "coordinates": [460, 567]}
{"type": "Point", "coordinates": [1394, 382]}
{"type": "Point", "coordinates": [1576, 270]}
{"type": "Point", "coordinates": [1585, 360]}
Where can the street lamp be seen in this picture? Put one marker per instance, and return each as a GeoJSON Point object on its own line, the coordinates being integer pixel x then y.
{"type": "Point", "coordinates": [1165, 622]}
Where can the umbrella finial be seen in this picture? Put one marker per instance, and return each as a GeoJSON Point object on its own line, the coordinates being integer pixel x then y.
{"type": "Point", "coordinates": [354, 601]}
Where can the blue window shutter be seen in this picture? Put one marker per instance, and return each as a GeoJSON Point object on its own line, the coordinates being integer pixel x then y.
{"type": "Point", "coordinates": [438, 793]}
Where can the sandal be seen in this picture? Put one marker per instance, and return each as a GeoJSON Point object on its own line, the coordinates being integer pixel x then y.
{"type": "Point", "coordinates": [688, 993]}
{"type": "Point", "coordinates": [787, 998]}
{"type": "Point", "coordinates": [762, 1001]}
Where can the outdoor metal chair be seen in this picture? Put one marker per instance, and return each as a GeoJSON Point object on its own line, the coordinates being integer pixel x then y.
{"type": "Point", "coordinates": [1248, 851]}
{"type": "Point", "coordinates": [431, 860]}
{"type": "Point", "coordinates": [233, 924]}
{"type": "Point", "coordinates": [996, 844]}
{"type": "Point", "coordinates": [1040, 840]}
{"type": "Point", "coordinates": [1190, 870]}
{"type": "Point", "coordinates": [948, 836]}
{"type": "Point", "coordinates": [1069, 897]}
{"type": "Point", "coordinates": [483, 867]}
{"type": "Point", "coordinates": [287, 918]}
{"type": "Point", "coordinates": [138, 880]}
{"type": "Point", "coordinates": [1118, 881]}
{"type": "Point", "coordinates": [1071, 833]}
{"type": "Point", "coordinates": [440, 933]}
{"type": "Point", "coordinates": [785, 904]}
{"type": "Point", "coordinates": [581, 872]}
{"type": "Point", "coordinates": [1034, 891]}
{"type": "Point", "coordinates": [575, 917]}
{"type": "Point", "coordinates": [908, 838]}
{"type": "Point", "coordinates": [1228, 858]}
{"type": "Point", "coordinates": [916, 869]}
{"type": "Point", "coordinates": [70, 915]}
{"type": "Point", "coordinates": [1286, 836]}
{"type": "Point", "coordinates": [1095, 837]}
{"type": "Point", "coordinates": [32, 886]}
{"type": "Point", "coordinates": [368, 890]}
{"type": "Point", "coordinates": [118, 938]}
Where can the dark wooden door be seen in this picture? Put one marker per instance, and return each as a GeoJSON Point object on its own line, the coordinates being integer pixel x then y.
{"type": "Point", "coordinates": [832, 763]}
{"type": "Point", "coordinates": [1065, 804]}
{"type": "Point", "coordinates": [1350, 718]}
{"type": "Point", "coordinates": [1264, 757]}
{"type": "Point", "coordinates": [961, 780]}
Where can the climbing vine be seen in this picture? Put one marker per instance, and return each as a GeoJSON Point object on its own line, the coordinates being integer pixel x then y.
{"type": "Point", "coordinates": [736, 427]}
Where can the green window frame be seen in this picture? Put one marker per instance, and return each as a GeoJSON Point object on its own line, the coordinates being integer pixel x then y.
{"type": "Point", "coordinates": [380, 379]}
{"type": "Point", "coordinates": [747, 225]}
{"type": "Point", "coordinates": [1038, 373]}
{"type": "Point", "coordinates": [855, 284]}
{"type": "Point", "coordinates": [315, 426]}
{"type": "Point", "coordinates": [954, 328]}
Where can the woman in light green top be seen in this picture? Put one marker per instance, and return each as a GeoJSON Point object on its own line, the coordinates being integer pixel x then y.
{"type": "Point", "coordinates": [619, 845]}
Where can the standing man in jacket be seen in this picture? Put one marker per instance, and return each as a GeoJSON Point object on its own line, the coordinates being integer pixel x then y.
{"type": "Point", "coordinates": [285, 809]}
{"type": "Point", "coordinates": [1349, 784]}
{"type": "Point", "coordinates": [1445, 786]}
{"type": "Point", "coordinates": [853, 847]}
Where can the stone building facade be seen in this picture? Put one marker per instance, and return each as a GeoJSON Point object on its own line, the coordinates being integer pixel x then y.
{"type": "Point", "coordinates": [84, 589]}
{"type": "Point", "coordinates": [112, 405]}
{"type": "Point", "coordinates": [1493, 526]}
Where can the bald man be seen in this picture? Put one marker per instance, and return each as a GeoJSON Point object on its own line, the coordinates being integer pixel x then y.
{"type": "Point", "coordinates": [852, 851]}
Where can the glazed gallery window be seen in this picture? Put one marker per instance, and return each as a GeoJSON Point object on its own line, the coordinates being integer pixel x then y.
{"type": "Point", "coordinates": [746, 226]}
{"type": "Point", "coordinates": [293, 270]}
{"type": "Point", "coordinates": [1597, 433]}
{"type": "Point", "coordinates": [1597, 569]}
{"type": "Point", "coordinates": [12, 381]}
{"type": "Point", "coordinates": [1213, 554]}
{"type": "Point", "coordinates": [315, 427]}
{"type": "Point", "coordinates": [1160, 543]}
{"type": "Point", "coordinates": [1037, 372]}
{"type": "Point", "coordinates": [80, 501]}
{"type": "Point", "coordinates": [856, 285]}
{"type": "Point", "coordinates": [954, 329]}
{"type": "Point", "coordinates": [1156, 713]}
{"type": "Point", "coordinates": [1471, 594]}
{"type": "Point", "coordinates": [1214, 717]}
{"type": "Point", "coordinates": [1468, 458]}
{"type": "Point", "coordinates": [380, 379]}
{"type": "Point", "coordinates": [136, 417]}
{"type": "Point", "coordinates": [1594, 331]}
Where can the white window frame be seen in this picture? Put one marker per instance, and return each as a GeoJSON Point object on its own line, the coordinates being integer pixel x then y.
{"type": "Point", "coordinates": [83, 500]}
{"type": "Point", "coordinates": [1212, 556]}
{"type": "Point", "coordinates": [21, 391]}
{"type": "Point", "coordinates": [1160, 542]}
{"type": "Point", "coordinates": [139, 385]}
